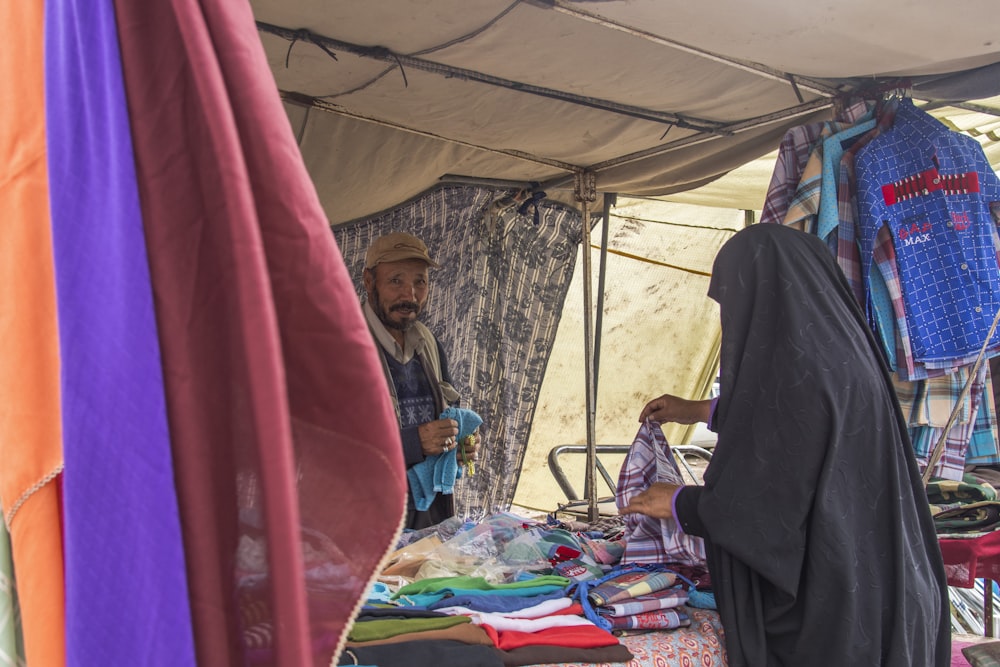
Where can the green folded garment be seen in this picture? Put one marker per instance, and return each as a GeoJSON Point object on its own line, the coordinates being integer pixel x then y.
{"type": "Point", "coordinates": [467, 583]}
{"type": "Point", "coordinates": [366, 631]}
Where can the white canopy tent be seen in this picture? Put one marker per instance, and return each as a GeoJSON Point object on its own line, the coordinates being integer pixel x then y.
{"type": "Point", "coordinates": [643, 98]}
{"type": "Point", "coordinates": [391, 98]}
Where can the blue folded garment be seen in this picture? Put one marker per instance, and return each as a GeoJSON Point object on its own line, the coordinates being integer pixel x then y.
{"type": "Point", "coordinates": [498, 603]}
{"type": "Point", "coordinates": [437, 473]}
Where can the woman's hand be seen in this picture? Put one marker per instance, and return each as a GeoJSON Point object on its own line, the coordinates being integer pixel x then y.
{"type": "Point", "coordinates": [668, 408]}
{"type": "Point", "coordinates": [656, 501]}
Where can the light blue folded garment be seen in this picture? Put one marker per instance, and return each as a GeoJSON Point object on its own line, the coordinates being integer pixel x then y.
{"type": "Point", "coordinates": [437, 473]}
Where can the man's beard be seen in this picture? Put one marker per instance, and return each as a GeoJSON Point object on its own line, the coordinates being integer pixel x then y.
{"type": "Point", "coordinates": [383, 314]}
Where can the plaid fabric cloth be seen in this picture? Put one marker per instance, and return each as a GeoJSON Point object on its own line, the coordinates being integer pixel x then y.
{"type": "Point", "coordinates": [886, 304]}
{"type": "Point", "coordinates": [885, 298]}
{"type": "Point", "coordinates": [793, 153]}
{"type": "Point", "coordinates": [848, 254]}
{"type": "Point", "coordinates": [943, 235]}
{"type": "Point", "coordinates": [650, 540]}
{"type": "Point", "coordinates": [984, 445]}
{"type": "Point", "coordinates": [927, 405]}
{"type": "Point", "coordinates": [629, 585]}
{"type": "Point", "coordinates": [663, 599]}
{"type": "Point", "coordinates": [663, 619]}
{"type": "Point", "coordinates": [889, 311]}
{"type": "Point", "coordinates": [828, 218]}
{"type": "Point", "coordinates": [967, 443]}
{"type": "Point", "coordinates": [981, 445]}
{"type": "Point", "coordinates": [804, 204]}
{"type": "Point", "coordinates": [986, 654]}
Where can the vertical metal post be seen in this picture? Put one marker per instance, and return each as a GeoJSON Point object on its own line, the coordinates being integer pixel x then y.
{"type": "Point", "coordinates": [988, 607]}
{"type": "Point", "coordinates": [610, 199]}
{"type": "Point", "coordinates": [585, 189]}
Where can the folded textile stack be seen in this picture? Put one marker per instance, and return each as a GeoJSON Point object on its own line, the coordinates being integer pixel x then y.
{"type": "Point", "coordinates": [967, 507]}
{"type": "Point", "coordinates": [505, 596]}
{"type": "Point", "coordinates": [506, 590]}
{"type": "Point", "coordinates": [659, 610]}
{"type": "Point", "coordinates": [635, 598]}
{"type": "Point", "coordinates": [470, 621]}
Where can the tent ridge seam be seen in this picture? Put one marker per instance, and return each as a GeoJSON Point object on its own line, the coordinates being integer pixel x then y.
{"type": "Point", "coordinates": [385, 54]}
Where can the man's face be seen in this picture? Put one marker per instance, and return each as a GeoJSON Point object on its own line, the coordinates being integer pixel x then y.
{"type": "Point", "coordinates": [398, 291]}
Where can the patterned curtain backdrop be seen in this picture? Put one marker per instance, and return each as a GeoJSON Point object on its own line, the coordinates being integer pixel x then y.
{"type": "Point", "coordinates": [495, 304]}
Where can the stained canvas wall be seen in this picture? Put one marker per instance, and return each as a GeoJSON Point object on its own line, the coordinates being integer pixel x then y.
{"type": "Point", "coordinates": [659, 335]}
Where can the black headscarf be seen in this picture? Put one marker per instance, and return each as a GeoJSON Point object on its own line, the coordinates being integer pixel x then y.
{"type": "Point", "coordinates": [820, 543]}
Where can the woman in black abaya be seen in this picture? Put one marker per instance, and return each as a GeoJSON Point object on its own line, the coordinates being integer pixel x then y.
{"type": "Point", "coordinates": [820, 543]}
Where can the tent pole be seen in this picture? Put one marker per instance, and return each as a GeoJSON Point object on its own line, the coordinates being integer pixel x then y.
{"type": "Point", "coordinates": [610, 199]}
{"type": "Point", "coordinates": [586, 193]}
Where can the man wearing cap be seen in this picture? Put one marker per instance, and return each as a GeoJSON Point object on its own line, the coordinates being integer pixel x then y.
{"type": "Point", "coordinates": [397, 284]}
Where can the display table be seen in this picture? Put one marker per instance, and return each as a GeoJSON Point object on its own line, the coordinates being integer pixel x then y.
{"type": "Point", "coordinates": [969, 558]}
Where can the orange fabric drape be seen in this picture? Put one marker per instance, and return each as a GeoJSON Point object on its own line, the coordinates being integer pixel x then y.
{"type": "Point", "coordinates": [30, 431]}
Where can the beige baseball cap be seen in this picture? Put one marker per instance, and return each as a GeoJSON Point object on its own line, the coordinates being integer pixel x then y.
{"type": "Point", "coordinates": [395, 247]}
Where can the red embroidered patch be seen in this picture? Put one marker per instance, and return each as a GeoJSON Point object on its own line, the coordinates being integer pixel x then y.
{"type": "Point", "coordinates": [929, 181]}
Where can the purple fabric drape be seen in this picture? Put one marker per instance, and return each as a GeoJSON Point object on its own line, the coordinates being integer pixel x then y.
{"type": "Point", "coordinates": [126, 585]}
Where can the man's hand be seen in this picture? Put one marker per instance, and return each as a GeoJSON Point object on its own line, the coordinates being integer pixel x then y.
{"type": "Point", "coordinates": [669, 408]}
{"type": "Point", "coordinates": [656, 501]}
{"type": "Point", "coordinates": [438, 436]}
{"type": "Point", "coordinates": [470, 447]}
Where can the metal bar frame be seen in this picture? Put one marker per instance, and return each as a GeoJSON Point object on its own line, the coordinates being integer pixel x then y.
{"type": "Point", "coordinates": [680, 452]}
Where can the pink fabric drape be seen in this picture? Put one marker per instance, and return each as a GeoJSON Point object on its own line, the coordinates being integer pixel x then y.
{"type": "Point", "coordinates": [278, 412]}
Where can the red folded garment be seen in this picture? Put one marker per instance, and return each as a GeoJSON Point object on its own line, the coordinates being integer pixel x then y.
{"type": "Point", "coordinates": [578, 636]}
